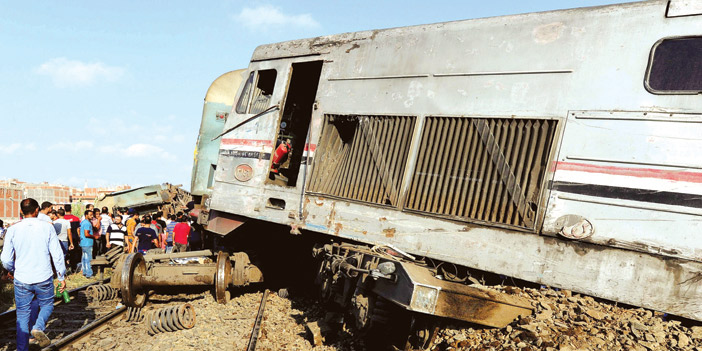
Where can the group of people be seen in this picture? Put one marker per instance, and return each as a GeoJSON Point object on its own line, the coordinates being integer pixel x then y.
{"type": "Point", "coordinates": [100, 230]}
{"type": "Point", "coordinates": [46, 237]}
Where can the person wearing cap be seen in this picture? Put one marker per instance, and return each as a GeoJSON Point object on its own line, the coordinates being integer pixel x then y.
{"type": "Point", "coordinates": [31, 246]}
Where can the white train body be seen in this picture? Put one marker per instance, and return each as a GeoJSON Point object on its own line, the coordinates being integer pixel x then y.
{"type": "Point", "coordinates": [562, 148]}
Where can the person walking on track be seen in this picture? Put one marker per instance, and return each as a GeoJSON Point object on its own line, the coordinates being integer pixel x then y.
{"type": "Point", "coordinates": [30, 248]}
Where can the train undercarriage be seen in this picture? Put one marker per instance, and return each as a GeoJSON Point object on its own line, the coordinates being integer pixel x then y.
{"type": "Point", "coordinates": [381, 293]}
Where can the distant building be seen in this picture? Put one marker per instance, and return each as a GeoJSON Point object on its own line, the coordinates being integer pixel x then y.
{"type": "Point", "coordinates": [88, 195]}
{"type": "Point", "coordinates": [11, 193]}
{"type": "Point", "coordinates": [56, 194]}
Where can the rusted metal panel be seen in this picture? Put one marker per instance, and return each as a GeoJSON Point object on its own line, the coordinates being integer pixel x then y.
{"type": "Point", "coordinates": [165, 197]}
{"type": "Point", "coordinates": [427, 294]}
{"type": "Point", "coordinates": [504, 186]}
{"type": "Point", "coordinates": [224, 223]}
{"type": "Point", "coordinates": [362, 157]}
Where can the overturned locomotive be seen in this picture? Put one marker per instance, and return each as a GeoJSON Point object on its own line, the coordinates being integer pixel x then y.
{"type": "Point", "coordinates": [555, 147]}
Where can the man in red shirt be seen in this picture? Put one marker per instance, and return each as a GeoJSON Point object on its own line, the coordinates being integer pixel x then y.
{"type": "Point", "coordinates": [180, 235]}
{"type": "Point", "coordinates": [74, 251]}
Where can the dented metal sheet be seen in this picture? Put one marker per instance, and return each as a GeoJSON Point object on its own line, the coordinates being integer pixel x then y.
{"type": "Point", "coordinates": [678, 8]}
{"type": "Point", "coordinates": [614, 168]}
{"type": "Point", "coordinates": [165, 197]}
{"type": "Point", "coordinates": [458, 301]}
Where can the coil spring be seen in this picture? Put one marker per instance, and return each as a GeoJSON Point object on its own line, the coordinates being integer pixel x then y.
{"type": "Point", "coordinates": [170, 319]}
{"type": "Point", "coordinates": [134, 315]}
{"type": "Point", "coordinates": [101, 292]}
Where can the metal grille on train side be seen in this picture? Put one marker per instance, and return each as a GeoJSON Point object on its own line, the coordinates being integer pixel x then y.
{"type": "Point", "coordinates": [362, 157]}
{"type": "Point", "coordinates": [481, 169]}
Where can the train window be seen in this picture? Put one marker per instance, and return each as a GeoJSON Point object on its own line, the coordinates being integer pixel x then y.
{"type": "Point", "coordinates": [264, 90]}
{"type": "Point", "coordinates": [261, 93]}
{"type": "Point", "coordinates": [243, 103]}
{"type": "Point", "coordinates": [675, 66]}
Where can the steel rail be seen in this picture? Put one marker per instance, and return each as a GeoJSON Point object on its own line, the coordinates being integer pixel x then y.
{"type": "Point", "coordinates": [11, 314]}
{"type": "Point", "coordinates": [81, 333]}
{"type": "Point", "coordinates": [253, 339]}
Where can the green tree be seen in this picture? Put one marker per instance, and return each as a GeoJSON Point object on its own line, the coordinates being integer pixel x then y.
{"type": "Point", "coordinates": [77, 209]}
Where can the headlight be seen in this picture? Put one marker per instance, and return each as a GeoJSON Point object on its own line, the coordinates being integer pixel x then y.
{"type": "Point", "coordinates": [387, 268]}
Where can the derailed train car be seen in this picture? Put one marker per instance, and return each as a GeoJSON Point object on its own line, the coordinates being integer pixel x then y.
{"type": "Point", "coordinates": [558, 147]}
{"type": "Point", "coordinates": [218, 103]}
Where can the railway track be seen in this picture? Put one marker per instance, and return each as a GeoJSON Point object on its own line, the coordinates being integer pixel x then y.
{"type": "Point", "coordinates": [256, 330]}
{"type": "Point", "coordinates": [66, 319]}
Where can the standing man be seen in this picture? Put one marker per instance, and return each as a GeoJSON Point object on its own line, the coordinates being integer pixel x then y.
{"type": "Point", "coordinates": [169, 233]}
{"type": "Point", "coordinates": [88, 207]}
{"type": "Point", "coordinates": [86, 244]}
{"type": "Point", "coordinates": [44, 212]}
{"type": "Point", "coordinates": [146, 236]}
{"type": "Point", "coordinates": [131, 228]}
{"type": "Point", "coordinates": [64, 231]}
{"type": "Point", "coordinates": [105, 222]}
{"type": "Point", "coordinates": [181, 232]}
{"type": "Point", "coordinates": [30, 247]}
{"type": "Point", "coordinates": [97, 238]}
{"type": "Point", "coordinates": [116, 233]}
{"type": "Point", "coordinates": [74, 251]}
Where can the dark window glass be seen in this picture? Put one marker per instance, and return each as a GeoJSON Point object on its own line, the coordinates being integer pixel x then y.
{"type": "Point", "coordinates": [676, 66]}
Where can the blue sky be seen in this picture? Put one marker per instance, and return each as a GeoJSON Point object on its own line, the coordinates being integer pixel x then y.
{"type": "Point", "coordinates": [111, 93]}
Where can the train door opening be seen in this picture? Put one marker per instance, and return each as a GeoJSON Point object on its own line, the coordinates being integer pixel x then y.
{"type": "Point", "coordinates": [294, 124]}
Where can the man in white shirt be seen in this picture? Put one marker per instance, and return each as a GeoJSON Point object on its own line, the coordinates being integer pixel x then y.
{"type": "Point", "coordinates": [31, 246]}
{"type": "Point", "coordinates": [65, 226]}
{"type": "Point", "coordinates": [44, 211]}
{"type": "Point", "coordinates": [105, 222]}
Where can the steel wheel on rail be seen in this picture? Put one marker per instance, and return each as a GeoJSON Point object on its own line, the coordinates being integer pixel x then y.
{"type": "Point", "coordinates": [133, 269]}
{"type": "Point", "coordinates": [223, 278]}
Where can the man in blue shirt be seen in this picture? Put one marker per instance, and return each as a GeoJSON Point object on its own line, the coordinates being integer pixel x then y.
{"type": "Point", "coordinates": [30, 247]}
{"type": "Point", "coordinates": [146, 236]}
{"type": "Point", "coordinates": [86, 243]}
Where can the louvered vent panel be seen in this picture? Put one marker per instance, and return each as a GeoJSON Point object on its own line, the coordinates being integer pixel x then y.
{"type": "Point", "coordinates": [481, 169]}
{"type": "Point", "coordinates": [362, 157]}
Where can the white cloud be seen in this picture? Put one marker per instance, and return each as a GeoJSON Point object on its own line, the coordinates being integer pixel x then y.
{"type": "Point", "coordinates": [65, 72]}
{"type": "Point", "coordinates": [266, 17]}
{"type": "Point", "coordinates": [15, 147]}
{"type": "Point", "coordinates": [73, 146]}
{"type": "Point", "coordinates": [9, 149]}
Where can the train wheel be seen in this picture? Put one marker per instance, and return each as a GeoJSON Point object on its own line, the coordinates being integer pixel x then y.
{"type": "Point", "coordinates": [223, 278]}
{"type": "Point", "coordinates": [389, 324]}
{"type": "Point", "coordinates": [422, 333]}
{"type": "Point", "coordinates": [132, 293]}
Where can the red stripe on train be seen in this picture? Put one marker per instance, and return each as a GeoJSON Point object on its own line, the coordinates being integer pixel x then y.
{"type": "Point", "coordinates": [254, 142]}
{"type": "Point", "coordinates": [681, 176]}
{"type": "Point", "coordinates": [247, 142]}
